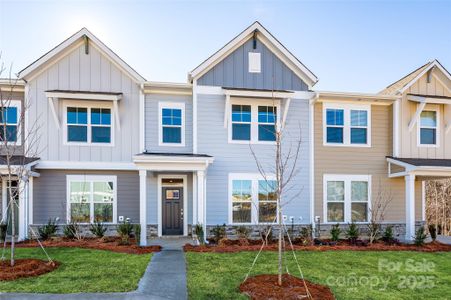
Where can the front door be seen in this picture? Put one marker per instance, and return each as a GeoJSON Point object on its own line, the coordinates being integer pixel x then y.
{"type": "Point", "coordinates": [172, 198]}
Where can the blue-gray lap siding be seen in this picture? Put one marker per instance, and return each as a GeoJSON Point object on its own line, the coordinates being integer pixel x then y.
{"type": "Point", "coordinates": [233, 71]}
{"type": "Point", "coordinates": [237, 158]}
{"type": "Point", "coordinates": [152, 122]}
{"type": "Point", "coordinates": [50, 194]}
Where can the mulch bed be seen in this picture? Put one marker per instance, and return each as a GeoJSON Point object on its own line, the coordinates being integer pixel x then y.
{"type": "Point", "coordinates": [106, 243]}
{"type": "Point", "coordinates": [265, 287]}
{"type": "Point", "coordinates": [232, 246]}
{"type": "Point", "coordinates": [25, 268]}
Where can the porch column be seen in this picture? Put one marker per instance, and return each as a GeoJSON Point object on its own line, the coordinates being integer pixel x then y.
{"type": "Point", "coordinates": [410, 207]}
{"type": "Point", "coordinates": [201, 200]}
{"type": "Point", "coordinates": [194, 200]}
{"type": "Point", "coordinates": [22, 210]}
{"type": "Point", "coordinates": [143, 206]}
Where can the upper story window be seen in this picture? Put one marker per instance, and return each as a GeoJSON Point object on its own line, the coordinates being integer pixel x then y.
{"type": "Point", "coordinates": [346, 198]}
{"type": "Point", "coordinates": [9, 122]}
{"type": "Point", "coordinates": [253, 123]}
{"type": "Point", "coordinates": [88, 125]}
{"type": "Point", "coordinates": [428, 128]}
{"type": "Point", "coordinates": [347, 125]}
{"type": "Point", "coordinates": [172, 124]}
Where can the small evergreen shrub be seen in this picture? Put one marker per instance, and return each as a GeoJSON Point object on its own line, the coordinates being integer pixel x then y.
{"type": "Point", "coordinates": [48, 230]}
{"type": "Point", "coordinates": [353, 233]}
{"type": "Point", "coordinates": [72, 231]}
{"type": "Point", "coordinates": [420, 236]}
{"type": "Point", "coordinates": [199, 232]}
{"type": "Point", "coordinates": [306, 234]}
{"type": "Point", "coordinates": [98, 229]}
{"type": "Point", "coordinates": [3, 231]}
{"type": "Point", "coordinates": [388, 236]}
{"type": "Point", "coordinates": [433, 231]}
{"type": "Point", "coordinates": [219, 232]}
{"type": "Point", "coordinates": [125, 230]}
{"type": "Point", "coordinates": [335, 232]}
{"type": "Point", "coordinates": [137, 229]}
{"type": "Point", "coordinates": [243, 232]}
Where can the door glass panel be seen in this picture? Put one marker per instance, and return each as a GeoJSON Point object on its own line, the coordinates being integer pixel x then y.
{"type": "Point", "coordinates": [172, 194]}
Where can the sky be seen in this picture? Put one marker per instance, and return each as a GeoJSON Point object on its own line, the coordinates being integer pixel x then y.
{"type": "Point", "coordinates": [353, 46]}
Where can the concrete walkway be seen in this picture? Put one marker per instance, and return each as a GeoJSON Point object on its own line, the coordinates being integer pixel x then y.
{"type": "Point", "coordinates": [164, 279]}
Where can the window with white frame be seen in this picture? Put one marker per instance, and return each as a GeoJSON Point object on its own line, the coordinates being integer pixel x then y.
{"type": "Point", "coordinates": [172, 124]}
{"type": "Point", "coordinates": [428, 128]}
{"type": "Point", "coordinates": [346, 198]}
{"type": "Point", "coordinates": [91, 198]}
{"type": "Point", "coordinates": [90, 125]}
{"type": "Point", "coordinates": [252, 199]}
{"type": "Point", "coordinates": [9, 122]}
{"type": "Point", "coordinates": [347, 125]}
{"type": "Point", "coordinates": [254, 122]}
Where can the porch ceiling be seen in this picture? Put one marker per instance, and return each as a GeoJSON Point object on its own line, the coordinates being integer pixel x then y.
{"type": "Point", "coordinates": [158, 161]}
{"type": "Point", "coordinates": [425, 168]}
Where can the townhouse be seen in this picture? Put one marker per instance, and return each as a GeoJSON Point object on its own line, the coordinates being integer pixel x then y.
{"type": "Point", "coordinates": [112, 146]}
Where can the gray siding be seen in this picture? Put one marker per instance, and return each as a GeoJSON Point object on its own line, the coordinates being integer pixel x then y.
{"type": "Point", "coordinates": [152, 126]}
{"type": "Point", "coordinates": [49, 194]}
{"type": "Point", "coordinates": [152, 197]}
{"type": "Point", "coordinates": [233, 71]}
{"type": "Point", "coordinates": [81, 72]}
{"type": "Point", "coordinates": [237, 158]}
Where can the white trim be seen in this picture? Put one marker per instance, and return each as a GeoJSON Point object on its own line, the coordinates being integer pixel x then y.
{"type": "Point", "coordinates": [22, 211]}
{"type": "Point", "coordinates": [54, 110]}
{"type": "Point", "coordinates": [219, 91]}
{"type": "Point", "coordinates": [312, 160]}
{"type": "Point", "coordinates": [20, 125]}
{"type": "Point", "coordinates": [285, 112]}
{"type": "Point", "coordinates": [91, 179]}
{"type": "Point", "coordinates": [68, 44]}
{"type": "Point", "coordinates": [347, 123]}
{"type": "Point", "coordinates": [437, 129]}
{"type": "Point", "coordinates": [433, 64]}
{"type": "Point", "coordinates": [254, 178]}
{"type": "Point", "coordinates": [417, 115]}
{"type": "Point", "coordinates": [347, 179]}
{"type": "Point", "coordinates": [83, 96]}
{"type": "Point", "coordinates": [116, 116]}
{"type": "Point", "coordinates": [396, 117]}
{"type": "Point", "coordinates": [142, 119]}
{"type": "Point", "coordinates": [30, 200]}
{"type": "Point", "coordinates": [254, 104]}
{"type": "Point", "coordinates": [4, 200]}
{"type": "Point", "coordinates": [423, 201]}
{"type": "Point", "coordinates": [185, 201]}
{"type": "Point", "coordinates": [89, 107]}
{"type": "Point", "coordinates": [195, 199]}
{"type": "Point", "coordinates": [226, 111]}
{"type": "Point", "coordinates": [428, 100]}
{"type": "Point", "coordinates": [269, 41]}
{"type": "Point", "coordinates": [410, 206]}
{"type": "Point", "coordinates": [143, 206]}
{"type": "Point", "coordinates": [195, 87]}
{"type": "Point", "coordinates": [88, 165]}
{"type": "Point", "coordinates": [257, 94]}
{"type": "Point", "coordinates": [170, 105]}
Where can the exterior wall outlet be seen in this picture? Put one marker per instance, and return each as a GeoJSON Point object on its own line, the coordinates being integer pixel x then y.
{"type": "Point", "coordinates": [121, 218]}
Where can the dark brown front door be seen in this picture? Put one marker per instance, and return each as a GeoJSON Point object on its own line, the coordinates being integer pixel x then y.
{"type": "Point", "coordinates": [172, 198]}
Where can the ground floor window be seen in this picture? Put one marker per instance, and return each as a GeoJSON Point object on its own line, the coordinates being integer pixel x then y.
{"type": "Point", "coordinates": [346, 198]}
{"type": "Point", "coordinates": [253, 199]}
{"type": "Point", "coordinates": [91, 198]}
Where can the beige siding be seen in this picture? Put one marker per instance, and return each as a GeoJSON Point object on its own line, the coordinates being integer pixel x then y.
{"type": "Point", "coordinates": [409, 139]}
{"type": "Point", "coordinates": [363, 161]}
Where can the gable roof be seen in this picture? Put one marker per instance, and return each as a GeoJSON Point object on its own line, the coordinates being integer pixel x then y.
{"type": "Point", "coordinates": [78, 36]}
{"type": "Point", "coordinates": [407, 81]}
{"type": "Point", "coordinates": [270, 41]}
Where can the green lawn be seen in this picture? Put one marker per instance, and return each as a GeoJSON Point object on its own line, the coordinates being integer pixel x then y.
{"type": "Point", "coordinates": [81, 270]}
{"type": "Point", "coordinates": [351, 275]}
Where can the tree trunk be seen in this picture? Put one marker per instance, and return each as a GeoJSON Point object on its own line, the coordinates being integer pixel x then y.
{"type": "Point", "coordinates": [13, 228]}
{"type": "Point", "coordinates": [280, 245]}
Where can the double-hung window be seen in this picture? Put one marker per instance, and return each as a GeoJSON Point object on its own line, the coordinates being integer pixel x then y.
{"type": "Point", "coordinates": [172, 131]}
{"type": "Point", "coordinates": [91, 198]}
{"type": "Point", "coordinates": [253, 200]}
{"type": "Point", "coordinates": [428, 128]}
{"type": "Point", "coordinates": [346, 198]}
{"type": "Point", "coordinates": [9, 122]}
{"type": "Point", "coordinates": [90, 125]}
{"type": "Point", "coordinates": [253, 122]}
{"type": "Point", "coordinates": [347, 125]}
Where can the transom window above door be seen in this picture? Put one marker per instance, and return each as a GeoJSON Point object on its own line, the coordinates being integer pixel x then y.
{"type": "Point", "coordinates": [253, 123]}
{"type": "Point", "coordinates": [346, 125]}
{"type": "Point", "coordinates": [88, 125]}
{"type": "Point", "coordinates": [172, 124]}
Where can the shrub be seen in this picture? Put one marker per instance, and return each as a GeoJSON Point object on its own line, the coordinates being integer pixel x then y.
{"type": "Point", "coordinates": [243, 232]}
{"type": "Point", "coordinates": [353, 233]}
{"type": "Point", "coordinates": [266, 234]}
{"type": "Point", "coordinates": [125, 230]}
{"type": "Point", "coordinates": [219, 232]}
{"type": "Point", "coordinates": [48, 230]}
{"type": "Point", "coordinates": [306, 234]}
{"type": "Point", "coordinates": [420, 236]}
{"type": "Point", "coordinates": [137, 229]}
{"type": "Point", "coordinates": [374, 230]}
{"type": "Point", "coordinates": [388, 236]}
{"type": "Point", "coordinates": [98, 229]}
{"type": "Point", "coordinates": [3, 230]}
{"type": "Point", "coordinates": [199, 232]}
{"type": "Point", "coordinates": [433, 231]}
{"type": "Point", "coordinates": [335, 232]}
{"type": "Point", "coordinates": [72, 231]}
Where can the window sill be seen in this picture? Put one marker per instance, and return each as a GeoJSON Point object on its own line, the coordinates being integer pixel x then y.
{"type": "Point", "coordinates": [347, 145]}
{"type": "Point", "coordinates": [88, 144]}
{"type": "Point", "coordinates": [161, 144]}
{"type": "Point", "coordinates": [428, 146]}
{"type": "Point", "coordinates": [251, 142]}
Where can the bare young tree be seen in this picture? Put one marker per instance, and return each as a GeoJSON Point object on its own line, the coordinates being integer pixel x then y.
{"type": "Point", "coordinates": [377, 211]}
{"type": "Point", "coordinates": [18, 146]}
{"type": "Point", "coordinates": [279, 173]}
